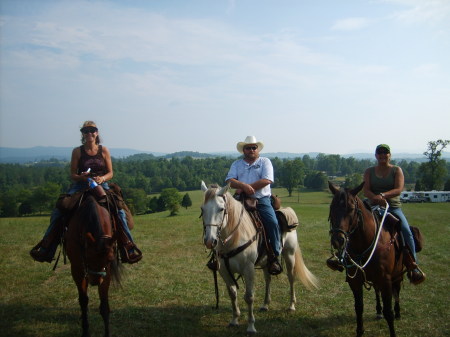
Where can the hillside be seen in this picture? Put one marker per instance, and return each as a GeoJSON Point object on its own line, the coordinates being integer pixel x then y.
{"type": "Point", "coordinates": [39, 153]}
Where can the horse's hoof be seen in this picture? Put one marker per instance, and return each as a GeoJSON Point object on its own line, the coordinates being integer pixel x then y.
{"type": "Point", "coordinates": [379, 316]}
{"type": "Point", "coordinates": [263, 309]}
{"type": "Point", "coordinates": [251, 333]}
{"type": "Point", "coordinates": [232, 325]}
{"type": "Point", "coordinates": [291, 309]}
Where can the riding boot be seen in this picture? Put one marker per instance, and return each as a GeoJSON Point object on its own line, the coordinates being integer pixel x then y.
{"type": "Point", "coordinates": [46, 248]}
{"type": "Point", "coordinates": [415, 274]}
{"type": "Point", "coordinates": [129, 252]}
{"type": "Point", "coordinates": [334, 264]}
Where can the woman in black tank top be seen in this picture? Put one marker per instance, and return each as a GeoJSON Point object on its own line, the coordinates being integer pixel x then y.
{"type": "Point", "coordinates": [90, 160]}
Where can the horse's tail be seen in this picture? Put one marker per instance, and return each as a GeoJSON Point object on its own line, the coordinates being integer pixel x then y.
{"type": "Point", "coordinates": [302, 272]}
{"type": "Point", "coordinates": [116, 273]}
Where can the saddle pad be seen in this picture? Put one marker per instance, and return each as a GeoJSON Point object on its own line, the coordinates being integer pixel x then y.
{"type": "Point", "coordinates": [287, 219]}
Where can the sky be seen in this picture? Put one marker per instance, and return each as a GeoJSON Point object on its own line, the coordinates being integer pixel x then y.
{"type": "Point", "coordinates": [329, 76]}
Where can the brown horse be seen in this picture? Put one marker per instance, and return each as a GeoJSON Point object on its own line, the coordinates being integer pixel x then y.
{"type": "Point", "coordinates": [367, 252]}
{"type": "Point", "coordinates": [91, 248]}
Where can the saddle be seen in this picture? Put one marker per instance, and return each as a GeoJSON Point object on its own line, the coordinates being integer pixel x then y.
{"type": "Point", "coordinates": [392, 224]}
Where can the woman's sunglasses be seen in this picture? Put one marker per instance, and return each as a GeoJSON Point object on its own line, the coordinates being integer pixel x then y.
{"type": "Point", "coordinates": [89, 129]}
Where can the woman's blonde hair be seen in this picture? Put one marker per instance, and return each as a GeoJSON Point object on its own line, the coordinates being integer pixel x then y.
{"type": "Point", "coordinates": [89, 123]}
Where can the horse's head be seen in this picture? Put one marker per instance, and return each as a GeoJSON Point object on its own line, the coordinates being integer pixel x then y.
{"type": "Point", "coordinates": [213, 213]}
{"type": "Point", "coordinates": [99, 243]}
{"type": "Point", "coordinates": [344, 214]}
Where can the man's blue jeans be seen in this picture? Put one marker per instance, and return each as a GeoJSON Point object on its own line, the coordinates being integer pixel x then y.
{"type": "Point", "coordinates": [270, 223]}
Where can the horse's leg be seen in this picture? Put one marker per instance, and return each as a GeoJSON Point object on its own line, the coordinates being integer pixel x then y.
{"type": "Point", "coordinates": [396, 293]}
{"type": "Point", "coordinates": [267, 297]}
{"type": "Point", "coordinates": [249, 297]}
{"type": "Point", "coordinates": [289, 258]}
{"type": "Point", "coordinates": [379, 307]}
{"type": "Point", "coordinates": [103, 289]}
{"type": "Point", "coordinates": [232, 292]}
{"type": "Point", "coordinates": [357, 290]}
{"type": "Point", "coordinates": [83, 299]}
{"type": "Point", "coordinates": [386, 295]}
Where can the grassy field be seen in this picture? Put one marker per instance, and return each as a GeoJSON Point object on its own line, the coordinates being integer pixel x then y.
{"type": "Point", "coordinates": [171, 292]}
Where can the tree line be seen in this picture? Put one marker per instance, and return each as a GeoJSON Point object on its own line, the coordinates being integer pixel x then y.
{"type": "Point", "coordinates": [34, 188]}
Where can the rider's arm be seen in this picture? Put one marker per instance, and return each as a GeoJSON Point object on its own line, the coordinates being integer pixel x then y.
{"type": "Point", "coordinates": [375, 199]}
{"type": "Point", "coordinates": [109, 169]}
{"type": "Point", "coordinates": [76, 155]}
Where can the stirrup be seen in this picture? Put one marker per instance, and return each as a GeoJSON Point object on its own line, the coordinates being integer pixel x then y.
{"type": "Point", "coordinates": [133, 257]}
{"type": "Point", "coordinates": [416, 276]}
{"type": "Point", "coordinates": [274, 267]}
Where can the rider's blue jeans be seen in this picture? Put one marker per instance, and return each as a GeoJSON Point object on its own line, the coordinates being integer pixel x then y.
{"type": "Point", "coordinates": [270, 223]}
{"type": "Point", "coordinates": [57, 214]}
{"type": "Point", "coordinates": [406, 231]}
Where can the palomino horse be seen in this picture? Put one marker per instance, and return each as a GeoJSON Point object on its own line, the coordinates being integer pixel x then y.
{"type": "Point", "coordinates": [367, 253]}
{"type": "Point", "coordinates": [91, 249]}
{"type": "Point", "coordinates": [229, 228]}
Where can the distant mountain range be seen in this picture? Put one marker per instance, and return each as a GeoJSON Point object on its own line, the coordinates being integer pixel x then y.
{"type": "Point", "coordinates": [40, 153]}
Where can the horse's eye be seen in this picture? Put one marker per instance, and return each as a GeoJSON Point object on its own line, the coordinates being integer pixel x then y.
{"type": "Point", "coordinates": [221, 209]}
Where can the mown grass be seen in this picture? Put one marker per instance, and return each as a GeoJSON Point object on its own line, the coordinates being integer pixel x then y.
{"type": "Point", "coordinates": [171, 293]}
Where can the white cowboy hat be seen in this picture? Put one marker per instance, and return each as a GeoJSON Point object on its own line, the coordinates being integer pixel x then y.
{"type": "Point", "coordinates": [249, 140]}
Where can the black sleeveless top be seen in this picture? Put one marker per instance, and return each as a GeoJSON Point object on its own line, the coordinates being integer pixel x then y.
{"type": "Point", "coordinates": [96, 162]}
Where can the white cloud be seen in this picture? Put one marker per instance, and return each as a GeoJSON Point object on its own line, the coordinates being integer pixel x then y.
{"type": "Point", "coordinates": [423, 11]}
{"type": "Point", "coordinates": [351, 24]}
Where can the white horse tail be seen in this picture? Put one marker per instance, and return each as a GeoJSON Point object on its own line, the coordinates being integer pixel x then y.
{"type": "Point", "coordinates": [302, 272]}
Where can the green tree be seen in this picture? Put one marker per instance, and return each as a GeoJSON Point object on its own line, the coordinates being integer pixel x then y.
{"type": "Point", "coordinates": [434, 172]}
{"type": "Point", "coordinates": [316, 180]}
{"type": "Point", "coordinates": [43, 198]}
{"type": "Point", "coordinates": [353, 180]}
{"type": "Point", "coordinates": [291, 175]}
{"type": "Point", "coordinates": [137, 198]}
{"type": "Point", "coordinates": [186, 202]}
{"type": "Point", "coordinates": [447, 185]}
{"type": "Point", "coordinates": [172, 199]}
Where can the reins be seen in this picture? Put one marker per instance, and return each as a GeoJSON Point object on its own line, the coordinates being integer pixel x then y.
{"type": "Point", "coordinates": [346, 255]}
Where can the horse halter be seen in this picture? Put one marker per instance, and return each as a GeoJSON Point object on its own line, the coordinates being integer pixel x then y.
{"type": "Point", "coordinates": [219, 226]}
{"type": "Point", "coordinates": [356, 221]}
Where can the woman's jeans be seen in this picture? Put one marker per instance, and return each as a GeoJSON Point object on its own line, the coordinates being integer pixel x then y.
{"type": "Point", "coordinates": [270, 222]}
{"type": "Point", "coordinates": [406, 231]}
{"type": "Point", "coordinates": [56, 216]}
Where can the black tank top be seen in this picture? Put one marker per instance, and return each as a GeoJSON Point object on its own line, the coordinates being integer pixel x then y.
{"type": "Point", "coordinates": [96, 162]}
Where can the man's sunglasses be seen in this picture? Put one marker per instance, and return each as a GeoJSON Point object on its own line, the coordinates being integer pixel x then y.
{"type": "Point", "coordinates": [382, 151]}
{"type": "Point", "coordinates": [89, 129]}
{"type": "Point", "coordinates": [248, 148]}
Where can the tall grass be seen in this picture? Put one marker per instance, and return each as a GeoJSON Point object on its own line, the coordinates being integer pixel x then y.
{"type": "Point", "coordinates": [171, 293]}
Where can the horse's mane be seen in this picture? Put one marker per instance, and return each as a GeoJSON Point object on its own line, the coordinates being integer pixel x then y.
{"type": "Point", "coordinates": [234, 210]}
{"type": "Point", "coordinates": [90, 217]}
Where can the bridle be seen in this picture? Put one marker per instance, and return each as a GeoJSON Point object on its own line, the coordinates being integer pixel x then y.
{"type": "Point", "coordinates": [220, 225]}
{"type": "Point", "coordinates": [344, 255]}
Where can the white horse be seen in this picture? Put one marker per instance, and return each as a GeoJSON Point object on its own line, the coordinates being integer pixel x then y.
{"type": "Point", "coordinates": [228, 229]}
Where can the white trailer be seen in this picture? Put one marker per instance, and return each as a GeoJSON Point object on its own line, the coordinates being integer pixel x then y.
{"type": "Point", "coordinates": [429, 196]}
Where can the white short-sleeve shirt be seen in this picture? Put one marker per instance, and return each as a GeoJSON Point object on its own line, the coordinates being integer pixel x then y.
{"type": "Point", "coordinates": [249, 173]}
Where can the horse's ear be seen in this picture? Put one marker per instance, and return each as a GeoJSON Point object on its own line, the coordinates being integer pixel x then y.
{"type": "Point", "coordinates": [90, 237]}
{"type": "Point", "coordinates": [224, 189]}
{"type": "Point", "coordinates": [203, 186]}
{"type": "Point", "coordinates": [332, 188]}
{"type": "Point", "coordinates": [356, 190]}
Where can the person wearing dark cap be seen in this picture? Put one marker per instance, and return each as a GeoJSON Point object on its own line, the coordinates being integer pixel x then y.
{"type": "Point", "coordinates": [90, 160]}
{"type": "Point", "coordinates": [384, 184]}
{"type": "Point", "coordinates": [252, 175]}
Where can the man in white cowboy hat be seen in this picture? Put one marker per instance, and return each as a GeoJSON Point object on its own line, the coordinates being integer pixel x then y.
{"type": "Point", "coordinates": [253, 175]}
